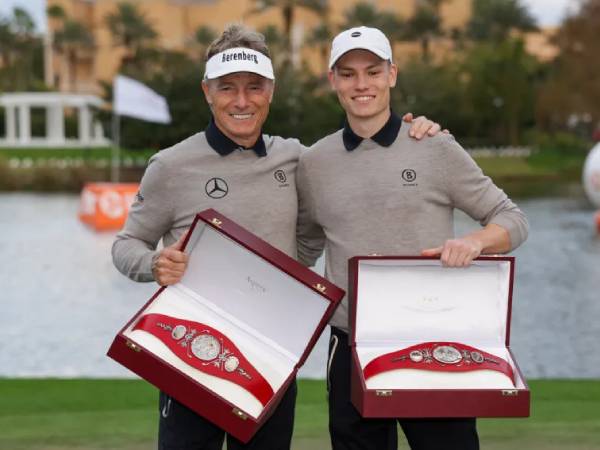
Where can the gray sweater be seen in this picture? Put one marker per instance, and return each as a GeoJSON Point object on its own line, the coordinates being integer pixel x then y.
{"type": "Point", "coordinates": [395, 200]}
{"type": "Point", "coordinates": [258, 193]}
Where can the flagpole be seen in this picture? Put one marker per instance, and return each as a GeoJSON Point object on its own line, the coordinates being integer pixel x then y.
{"type": "Point", "coordinates": [116, 149]}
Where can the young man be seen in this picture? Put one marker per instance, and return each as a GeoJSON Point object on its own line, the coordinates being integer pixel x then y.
{"type": "Point", "coordinates": [369, 188]}
{"type": "Point", "coordinates": [231, 167]}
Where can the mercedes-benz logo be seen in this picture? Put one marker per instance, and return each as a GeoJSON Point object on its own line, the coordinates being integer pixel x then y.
{"type": "Point", "coordinates": [216, 188]}
{"type": "Point", "coordinates": [409, 175]}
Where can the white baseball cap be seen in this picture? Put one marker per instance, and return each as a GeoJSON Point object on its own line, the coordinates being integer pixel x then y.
{"type": "Point", "coordinates": [364, 38]}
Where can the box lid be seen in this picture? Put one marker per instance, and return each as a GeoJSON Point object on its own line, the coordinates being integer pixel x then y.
{"type": "Point", "coordinates": [416, 299]}
{"type": "Point", "coordinates": [267, 292]}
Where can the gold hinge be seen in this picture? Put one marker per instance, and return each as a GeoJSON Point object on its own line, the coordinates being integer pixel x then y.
{"type": "Point", "coordinates": [216, 222]}
{"type": "Point", "coordinates": [132, 346]}
{"type": "Point", "coordinates": [383, 393]}
{"type": "Point", "coordinates": [239, 413]}
{"type": "Point", "coordinates": [319, 287]}
{"type": "Point", "coordinates": [510, 392]}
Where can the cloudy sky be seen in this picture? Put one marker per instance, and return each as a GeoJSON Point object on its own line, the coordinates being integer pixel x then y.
{"type": "Point", "coordinates": [547, 12]}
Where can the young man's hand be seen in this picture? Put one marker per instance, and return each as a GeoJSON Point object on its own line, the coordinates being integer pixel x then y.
{"type": "Point", "coordinates": [170, 265]}
{"type": "Point", "coordinates": [456, 252]}
{"type": "Point", "coordinates": [422, 126]}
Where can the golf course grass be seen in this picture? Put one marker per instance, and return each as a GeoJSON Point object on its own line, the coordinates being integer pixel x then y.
{"type": "Point", "coordinates": [89, 414]}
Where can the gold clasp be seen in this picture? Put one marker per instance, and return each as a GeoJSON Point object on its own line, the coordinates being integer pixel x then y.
{"type": "Point", "coordinates": [319, 287]}
{"type": "Point", "coordinates": [239, 413]}
{"type": "Point", "coordinates": [216, 222]}
{"type": "Point", "coordinates": [383, 393]}
{"type": "Point", "coordinates": [132, 346]}
{"type": "Point", "coordinates": [510, 392]}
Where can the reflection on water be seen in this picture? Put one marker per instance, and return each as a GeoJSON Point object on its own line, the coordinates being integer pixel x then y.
{"type": "Point", "coordinates": [63, 301]}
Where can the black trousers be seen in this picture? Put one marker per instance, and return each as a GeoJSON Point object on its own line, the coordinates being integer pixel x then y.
{"type": "Point", "coordinates": [182, 429]}
{"type": "Point", "coordinates": [350, 431]}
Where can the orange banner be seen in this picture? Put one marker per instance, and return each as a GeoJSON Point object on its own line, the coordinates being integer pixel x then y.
{"type": "Point", "coordinates": [104, 206]}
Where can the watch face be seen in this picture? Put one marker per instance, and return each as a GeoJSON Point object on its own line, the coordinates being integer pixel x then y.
{"type": "Point", "coordinates": [178, 332]}
{"type": "Point", "coordinates": [231, 364]}
{"type": "Point", "coordinates": [416, 356]}
{"type": "Point", "coordinates": [205, 347]}
{"type": "Point", "coordinates": [477, 357]}
{"type": "Point", "coordinates": [447, 354]}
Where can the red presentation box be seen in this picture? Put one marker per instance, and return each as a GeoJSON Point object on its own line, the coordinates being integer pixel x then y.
{"type": "Point", "coordinates": [456, 323]}
{"type": "Point", "coordinates": [228, 339]}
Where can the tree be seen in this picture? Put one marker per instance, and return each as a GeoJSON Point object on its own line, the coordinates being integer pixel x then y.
{"type": "Point", "coordinates": [320, 37]}
{"type": "Point", "coordinates": [495, 19]}
{"type": "Point", "coordinates": [72, 39]}
{"type": "Point", "coordinates": [500, 80]}
{"type": "Point", "coordinates": [572, 91]}
{"type": "Point", "coordinates": [444, 103]}
{"type": "Point", "coordinates": [131, 30]}
{"type": "Point", "coordinates": [288, 11]}
{"type": "Point", "coordinates": [19, 52]}
{"type": "Point", "coordinates": [425, 25]}
{"type": "Point", "coordinates": [367, 14]}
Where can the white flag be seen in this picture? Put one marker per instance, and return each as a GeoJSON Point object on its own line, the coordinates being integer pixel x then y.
{"type": "Point", "coordinates": [134, 99]}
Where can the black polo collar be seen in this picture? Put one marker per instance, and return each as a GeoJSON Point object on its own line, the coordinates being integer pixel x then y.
{"type": "Point", "coordinates": [223, 145]}
{"type": "Point", "coordinates": [384, 137]}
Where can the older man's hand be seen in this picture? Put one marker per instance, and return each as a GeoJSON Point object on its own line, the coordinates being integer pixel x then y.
{"type": "Point", "coordinates": [457, 252]}
{"type": "Point", "coordinates": [170, 265]}
{"type": "Point", "coordinates": [422, 126]}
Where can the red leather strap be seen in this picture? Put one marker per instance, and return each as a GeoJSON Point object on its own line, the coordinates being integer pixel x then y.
{"type": "Point", "coordinates": [439, 356]}
{"type": "Point", "coordinates": [207, 350]}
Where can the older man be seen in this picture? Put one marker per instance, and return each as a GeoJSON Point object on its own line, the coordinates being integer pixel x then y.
{"type": "Point", "coordinates": [369, 188]}
{"type": "Point", "coordinates": [236, 169]}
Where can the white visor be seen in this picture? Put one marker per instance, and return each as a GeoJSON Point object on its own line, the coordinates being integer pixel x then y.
{"type": "Point", "coordinates": [239, 59]}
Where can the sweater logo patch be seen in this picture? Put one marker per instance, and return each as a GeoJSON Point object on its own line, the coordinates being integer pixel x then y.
{"type": "Point", "coordinates": [410, 176]}
{"type": "Point", "coordinates": [216, 188]}
{"type": "Point", "coordinates": [281, 177]}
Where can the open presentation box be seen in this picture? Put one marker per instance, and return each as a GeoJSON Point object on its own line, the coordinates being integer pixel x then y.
{"type": "Point", "coordinates": [403, 304]}
{"type": "Point", "coordinates": [228, 339]}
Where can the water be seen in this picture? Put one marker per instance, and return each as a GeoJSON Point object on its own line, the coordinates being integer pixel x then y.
{"type": "Point", "coordinates": [63, 301]}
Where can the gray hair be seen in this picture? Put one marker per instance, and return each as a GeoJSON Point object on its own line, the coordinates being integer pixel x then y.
{"type": "Point", "coordinates": [238, 35]}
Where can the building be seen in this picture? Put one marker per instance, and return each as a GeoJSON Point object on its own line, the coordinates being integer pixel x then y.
{"type": "Point", "coordinates": [176, 22]}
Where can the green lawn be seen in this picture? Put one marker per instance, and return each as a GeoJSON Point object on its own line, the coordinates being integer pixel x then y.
{"type": "Point", "coordinates": [121, 415]}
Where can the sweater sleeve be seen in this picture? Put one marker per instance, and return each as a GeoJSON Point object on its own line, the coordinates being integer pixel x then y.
{"type": "Point", "coordinates": [476, 194]}
{"type": "Point", "coordinates": [309, 234]}
{"type": "Point", "coordinates": [150, 217]}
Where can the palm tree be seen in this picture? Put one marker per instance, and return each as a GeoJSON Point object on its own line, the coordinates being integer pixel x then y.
{"type": "Point", "coordinates": [425, 25]}
{"type": "Point", "coordinates": [203, 37]}
{"type": "Point", "coordinates": [72, 39]}
{"type": "Point", "coordinates": [277, 45]}
{"type": "Point", "coordinates": [130, 29]}
{"type": "Point", "coordinates": [288, 10]}
{"type": "Point", "coordinates": [18, 46]}
{"type": "Point", "coordinates": [366, 14]}
{"type": "Point", "coordinates": [494, 19]}
{"type": "Point", "coordinates": [320, 37]}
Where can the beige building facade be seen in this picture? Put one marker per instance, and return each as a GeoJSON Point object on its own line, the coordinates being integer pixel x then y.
{"type": "Point", "coordinates": [176, 22]}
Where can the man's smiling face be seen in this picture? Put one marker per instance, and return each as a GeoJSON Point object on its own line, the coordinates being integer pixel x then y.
{"type": "Point", "coordinates": [240, 104]}
{"type": "Point", "coordinates": [362, 81]}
